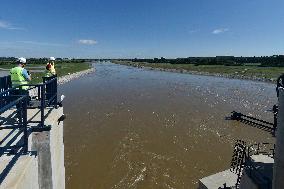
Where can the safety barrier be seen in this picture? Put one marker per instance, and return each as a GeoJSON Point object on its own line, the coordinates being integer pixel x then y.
{"type": "Point", "coordinates": [254, 170]}
{"type": "Point", "coordinates": [44, 95]}
{"type": "Point", "coordinates": [7, 102]}
{"type": "Point", "coordinates": [5, 83]}
{"type": "Point", "coordinates": [241, 160]}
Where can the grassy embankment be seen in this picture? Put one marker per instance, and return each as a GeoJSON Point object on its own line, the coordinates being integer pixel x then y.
{"type": "Point", "coordinates": [61, 69]}
{"type": "Point", "coordinates": [249, 71]}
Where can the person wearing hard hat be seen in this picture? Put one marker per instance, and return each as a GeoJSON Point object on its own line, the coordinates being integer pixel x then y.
{"type": "Point", "coordinates": [19, 75]}
{"type": "Point", "coordinates": [50, 68]}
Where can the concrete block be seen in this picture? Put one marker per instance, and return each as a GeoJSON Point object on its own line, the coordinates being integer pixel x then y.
{"type": "Point", "coordinates": [44, 170]}
{"type": "Point", "coordinates": [217, 180]}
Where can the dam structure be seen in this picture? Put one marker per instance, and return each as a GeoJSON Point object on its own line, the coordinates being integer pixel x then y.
{"type": "Point", "coordinates": [257, 166]}
{"type": "Point", "coordinates": [31, 137]}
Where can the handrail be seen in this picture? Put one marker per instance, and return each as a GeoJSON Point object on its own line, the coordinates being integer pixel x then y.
{"type": "Point", "coordinates": [242, 160]}
{"type": "Point", "coordinates": [21, 101]}
{"type": "Point", "coordinates": [13, 103]}
{"type": "Point", "coordinates": [47, 95]}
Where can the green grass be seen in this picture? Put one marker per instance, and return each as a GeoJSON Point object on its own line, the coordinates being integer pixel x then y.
{"type": "Point", "coordinates": [268, 73]}
{"type": "Point", "coordinates": [61, 69]}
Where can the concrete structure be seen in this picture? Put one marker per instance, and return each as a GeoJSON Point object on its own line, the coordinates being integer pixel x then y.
{"type": "Point", "coordinates": [217, 180]}
{"type": "Point", "coordinates": [262, 170]}
{"type": "Point", "coordinates": [261, 176]}
{"type": "Point", "coordinates": [278, 172]}
{"type": "Point", "coordinates": [43, 166]}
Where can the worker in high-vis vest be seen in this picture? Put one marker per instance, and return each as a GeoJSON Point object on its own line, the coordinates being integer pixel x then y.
{"type": "Point", "coordinates": [50, 68]}
{"type": "Point", "coordinates": [48, 71]}
{"type": "Point", "coordinates": [19, 75]}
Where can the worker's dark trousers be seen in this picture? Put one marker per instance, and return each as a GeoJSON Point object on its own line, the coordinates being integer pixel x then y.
{"type": "Point", "coordinates": [20, 92]}
{"type": "Point", "coordinates": [49, 88]}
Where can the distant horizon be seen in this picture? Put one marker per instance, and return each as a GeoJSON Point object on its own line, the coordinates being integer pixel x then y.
{"type": "Point", "coordinates": [142, 58]}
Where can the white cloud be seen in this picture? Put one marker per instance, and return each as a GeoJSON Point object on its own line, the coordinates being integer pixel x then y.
{"type": "Point", "coordinates": [220, 30]}
{"type": "Point", "coordinates": [87, 41]}
{"type": "Point", "coordinates": [8, 26]}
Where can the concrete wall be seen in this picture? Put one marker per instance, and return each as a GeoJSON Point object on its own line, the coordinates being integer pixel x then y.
{"type": "Point", "coordinates": [57, 154]}
{"type": "Point", "coordinates": [278, 170]}
{"type": "Point", "coordinates": [217, 180]}
{"type": "Point", "coordinates": [247, 182]}
{"type": "Point", "coordinates": [43, 167]}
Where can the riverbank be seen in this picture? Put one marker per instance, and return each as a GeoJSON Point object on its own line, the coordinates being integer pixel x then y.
{"type": "Point", "coordinates": [62, 69]}
{"type": "Point", "coordinates": [247, 72]}
{"type": "Point", "coordinates": [66, 78]}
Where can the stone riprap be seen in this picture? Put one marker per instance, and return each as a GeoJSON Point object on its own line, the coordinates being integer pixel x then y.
{"type": "Point", "coordinates": [66, 79]}
{"type": "Point", "coordinates": [69, 77]}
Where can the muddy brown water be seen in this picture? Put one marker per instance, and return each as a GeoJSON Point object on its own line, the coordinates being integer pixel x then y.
{"type": "Point", "coordinates": [135, 128]}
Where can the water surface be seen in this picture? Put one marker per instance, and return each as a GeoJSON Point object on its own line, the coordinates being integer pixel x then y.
{"type": "Point", "coordinates": [133, 128]}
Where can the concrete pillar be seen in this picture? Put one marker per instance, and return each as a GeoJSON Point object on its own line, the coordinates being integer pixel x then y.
{"type": "Point", "coordinates": [41, 144]}
{"type": "Point", "coordinates": [278, 169]}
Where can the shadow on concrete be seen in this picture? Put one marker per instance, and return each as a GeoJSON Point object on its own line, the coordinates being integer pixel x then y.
{"type": "Point", "coordinates": [37, 113]}
{"type": "Point", "coordinates": [10, 165]}
{"type": "Point", "coordinates": [11, 144]}
{"type": "Point", "coordinates": [15, 151]}
{"type": "Point", "coordinates": [8, 119]}
{"type": "Point", "coordinates": [7, 136]}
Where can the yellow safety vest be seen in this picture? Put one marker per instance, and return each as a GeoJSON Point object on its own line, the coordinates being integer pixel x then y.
{"type": "Point", "coordinates": [48, 73]}
{"type": "Point", "coordinates": [52, 70]}
{"type": "Point", "coordinates": [17, 77]}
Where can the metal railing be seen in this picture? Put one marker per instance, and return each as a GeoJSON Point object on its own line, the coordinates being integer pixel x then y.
{"type": "Point", "coordinates": [5, 83]}
{"type": "Point", "coordinates": [261, 175]}
{"type": "Point", "coordinates": [242, 160]}
{"type": "Point", "coordinates": [7, 102]}
{"type": "Point", "coordinates": [259, 123]}
{"type": "Point", "coordinates": [238, 160]}
{"type": "Point", "coordinates": [45, 95]}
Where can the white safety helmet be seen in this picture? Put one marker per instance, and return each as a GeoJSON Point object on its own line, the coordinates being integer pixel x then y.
{"type": "Point", "coordinates": [52, 58]}
{"type": "Point", "coordinates": [22, 60]}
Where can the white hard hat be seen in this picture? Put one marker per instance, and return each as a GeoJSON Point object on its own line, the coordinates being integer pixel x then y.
{"type": "Point", "coordinates": [22, 60]}
{"type": "Point", "coordinates": [52, 58]}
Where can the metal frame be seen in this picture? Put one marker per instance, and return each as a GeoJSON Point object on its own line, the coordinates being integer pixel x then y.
{"type": "Point", "coordinates": [21, 101]}
{"type": "Point", "coordinates": [241, 161]}
{"type": "Point", "coordinates": [5, 83]}
{"type": "Point", "coordinates": [47, 97]}
{"type": "Point", "coordinates": [251, 168]}
{"type": "Point", "coordinates": [258, 122]}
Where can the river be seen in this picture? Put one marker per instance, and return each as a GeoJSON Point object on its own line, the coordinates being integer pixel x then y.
{"type": "Point", "coordinates": [134, 128]}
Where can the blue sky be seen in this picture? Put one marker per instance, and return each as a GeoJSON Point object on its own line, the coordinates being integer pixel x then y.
{"type": "Point", "coordinates": [141, 28]}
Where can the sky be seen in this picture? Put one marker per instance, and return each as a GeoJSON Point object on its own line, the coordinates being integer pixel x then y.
{"type": "Point", "coordinates": [141, 28]}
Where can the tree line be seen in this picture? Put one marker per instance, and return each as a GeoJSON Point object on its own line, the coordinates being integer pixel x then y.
{"type": "Point", "coordinates": [263, 61]}
{"type": "Point", "coordinates": [12, 60]}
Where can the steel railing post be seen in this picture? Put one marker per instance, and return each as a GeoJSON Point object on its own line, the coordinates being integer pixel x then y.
{"type": "Point", "coordinates": [42, 106]}
{"type": "Point", "coordinates": [55, 84]}
{"type": "Point", "coordinates": [25, 126]}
